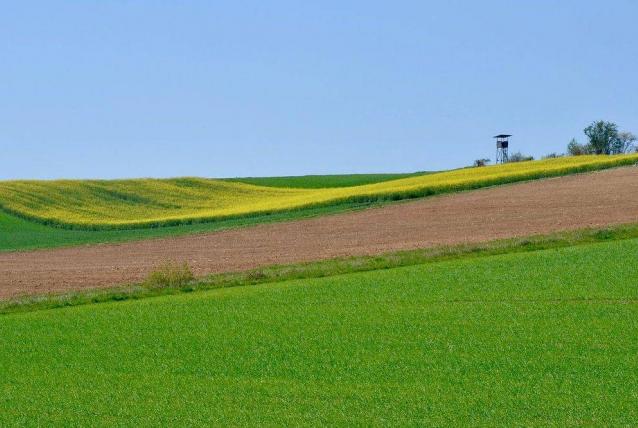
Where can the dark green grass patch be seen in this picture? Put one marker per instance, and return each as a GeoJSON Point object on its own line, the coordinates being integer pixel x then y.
{"type": "Point", "coordinates": [323, 181]}
{"type": "Point", "coordinates": [541, 338]}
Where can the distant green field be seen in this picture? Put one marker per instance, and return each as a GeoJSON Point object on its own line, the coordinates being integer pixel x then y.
{"type": "Point", "coordinates": [323, 181]}
{"type": "Point", "coordinates": [540, 338]}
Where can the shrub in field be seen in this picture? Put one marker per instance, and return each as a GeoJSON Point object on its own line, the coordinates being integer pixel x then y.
{"type": "Point", "coordinates": [170, 275]}
{"type": "Point", "coordinates": [574, 148]}
{"type": "Point", "coordinates": [520, 157]}
{"type": "Point", "coordinates": [481, 162]}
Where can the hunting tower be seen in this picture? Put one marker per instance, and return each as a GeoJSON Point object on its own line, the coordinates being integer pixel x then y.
{"type": "Point", "coordinates": [502, 144]}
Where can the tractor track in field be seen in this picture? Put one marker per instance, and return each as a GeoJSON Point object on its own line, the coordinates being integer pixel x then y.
{"type": "Point", "coordinates": [579, 201]}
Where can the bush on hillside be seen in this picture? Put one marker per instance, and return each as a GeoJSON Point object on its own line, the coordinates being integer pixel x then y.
{"type": "Point", "coordinates": [576, 149]}
{"type": "Point", "coordinates": [170, 275]}
{"type": "Point", "coordinates": [553, 155]}
{"type": "Point", "coordinates": [481, 162]}
{"type": "Point", "coordinates": [519, 157]}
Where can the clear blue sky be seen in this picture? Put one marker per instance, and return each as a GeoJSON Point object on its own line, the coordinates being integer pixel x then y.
{"type": "Point", "coordinates": [250, 88]}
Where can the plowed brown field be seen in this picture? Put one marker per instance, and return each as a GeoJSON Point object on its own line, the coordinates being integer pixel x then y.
{"type": "Point", "coordinates": [574, 202]}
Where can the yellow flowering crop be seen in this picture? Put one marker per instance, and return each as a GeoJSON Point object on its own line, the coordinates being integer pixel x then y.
{"type": "Point", "coordinates": [95, 204]}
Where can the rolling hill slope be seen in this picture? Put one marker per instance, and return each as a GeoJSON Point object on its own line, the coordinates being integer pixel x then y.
{"type": "Point", "coordinates": [99, 204]}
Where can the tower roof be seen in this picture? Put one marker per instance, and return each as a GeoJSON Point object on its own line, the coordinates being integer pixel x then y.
{"type": "Point", "coordinates": [502, 136]}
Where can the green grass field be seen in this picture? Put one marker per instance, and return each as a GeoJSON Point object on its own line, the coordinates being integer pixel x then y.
{"type": "Point", "coordinates": [323, 181]}
{"type": "Point", "coordinates": [136, 203]}
{"type": "Point", "coordinates": [540, 338]}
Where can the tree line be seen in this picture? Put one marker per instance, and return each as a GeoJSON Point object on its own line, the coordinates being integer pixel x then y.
{"type": "Point", "coordinates": [604, 138]}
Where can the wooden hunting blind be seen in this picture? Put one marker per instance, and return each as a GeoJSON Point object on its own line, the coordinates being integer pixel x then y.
{"type": "Point", "coordinates": [502, 144]}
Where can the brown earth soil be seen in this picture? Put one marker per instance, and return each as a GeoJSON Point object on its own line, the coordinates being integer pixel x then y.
{"type": "Point", "coordinates": [544, 206]}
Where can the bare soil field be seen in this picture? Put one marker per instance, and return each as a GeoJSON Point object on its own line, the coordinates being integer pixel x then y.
{"type": "Point", "coordinates": [574, 202]}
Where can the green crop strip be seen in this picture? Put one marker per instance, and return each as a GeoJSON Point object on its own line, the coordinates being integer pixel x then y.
{"type": "Point", "coordinates": [323, 181]}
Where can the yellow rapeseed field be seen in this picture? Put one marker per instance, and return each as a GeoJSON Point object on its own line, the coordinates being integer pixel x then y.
{"type": "Point", "coordinates": [96, 204]}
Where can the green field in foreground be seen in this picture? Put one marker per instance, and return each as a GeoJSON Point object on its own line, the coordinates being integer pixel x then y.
{"type": "Point", "coordinates": [323, 181]}
{"type": "Point", "coordinates": [543, 338]}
